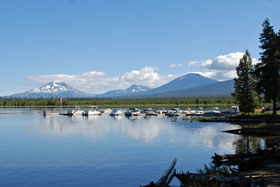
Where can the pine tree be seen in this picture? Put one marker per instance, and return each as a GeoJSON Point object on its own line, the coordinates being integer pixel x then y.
{"type": "Point", "coordinates": [244, 84]}
{"type": "Point", "coordinates": [267, 70]}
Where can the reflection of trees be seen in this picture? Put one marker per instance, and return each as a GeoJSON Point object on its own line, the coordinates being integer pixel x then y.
{"type": "Point", "coordinates": [252, 144]}
{"type": "Point", "coordinates": [246, 143]}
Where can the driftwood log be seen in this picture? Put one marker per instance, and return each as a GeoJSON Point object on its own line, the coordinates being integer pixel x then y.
{"type": "Point", "coordinates": [194, 179]}
{"type": "Point", "coordinates": [166, 178]}
{"type": "Point", "coordinates": [247, 161]}
{"type": "Point", "coordinates": [204, 179]}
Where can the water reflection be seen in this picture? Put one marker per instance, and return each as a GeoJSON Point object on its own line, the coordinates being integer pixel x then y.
{"type": "Point", "coordinates": [97, 126]}
{"type": "Point", "coordinates": [104, 150]}
{"type": "Point", "coordinates": [245, 143]}
{"type": "Point", "coordinates": [196, 134]}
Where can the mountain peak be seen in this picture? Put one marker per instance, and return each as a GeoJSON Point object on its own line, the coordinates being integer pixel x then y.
{"type": "Point", "coordinates": [131, 90]}
{"type": "Point", "coordinates": [134, 85]}
{"type": "Point", "coordinates": [137, 88]}
{"type": "Point", "coordinates": [186, 81]}
{"type": "Point", "coordinates": [55, 82]}
{"type": "Point", "coordinates": [192, 76]}
{"type": "Point", "coordinates": [53, 89]}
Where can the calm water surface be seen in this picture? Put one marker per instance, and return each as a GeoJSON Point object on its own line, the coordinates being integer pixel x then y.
{"type": "Point", "coordinates": [102, 150]}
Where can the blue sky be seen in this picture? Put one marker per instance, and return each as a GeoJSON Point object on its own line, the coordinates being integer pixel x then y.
{"type": "Point", "coordinates": [102, 45]}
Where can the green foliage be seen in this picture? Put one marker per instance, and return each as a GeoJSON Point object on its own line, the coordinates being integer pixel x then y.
{"type": "Point", "coordinates": [268, 69]}
{"type": "Point", "coordinates": [245, 85]}
{"type": "Point", "coordinates": [140, 103]}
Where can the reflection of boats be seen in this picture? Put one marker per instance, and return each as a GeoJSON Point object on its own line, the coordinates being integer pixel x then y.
{"type": "Point", "coordinates": [92, 117]}
{"type": "Point", "coordinates": [50, 113]}
{"type": "Point", "coordinates": [132, 118]}
{"type": "Point", "coordinates": [118, 117]}
{"type": "Point", "coordinates": [91, 112]}
{"type": "Point", "coordinates": [117, 112]}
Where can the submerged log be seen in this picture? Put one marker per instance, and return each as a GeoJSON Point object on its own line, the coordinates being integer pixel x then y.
{"type": "Point", "coordinates": [166, 178]}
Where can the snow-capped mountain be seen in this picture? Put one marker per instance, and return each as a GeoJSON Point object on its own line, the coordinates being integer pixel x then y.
{"type": "Point", "coordinates": [131, 90]}
{"type": "Point", "coordinates": [53, 89]}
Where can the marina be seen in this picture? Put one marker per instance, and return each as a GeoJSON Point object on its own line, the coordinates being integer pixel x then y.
{"type": "Point", "coordinates": [174, 112]}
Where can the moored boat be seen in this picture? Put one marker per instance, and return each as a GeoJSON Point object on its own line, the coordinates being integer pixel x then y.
{"type": "Point", "coordinates": [133, 112]}
{"type": "Point", "coordinates": [91, 112]}
{"type": "Point", "coordinates": [161, 113]}
{"type": "Point", "coordinates": [174, 111]}
{"type": "Point", "coordinates": [117, 112]}
{"type": "Point", "coordinates": [107, 111]}
{"type": "Point", "coordinates": [149, 112]}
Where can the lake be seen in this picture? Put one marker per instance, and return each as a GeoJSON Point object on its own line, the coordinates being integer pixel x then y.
{"type": "Point", "coordinates": [102, 150]}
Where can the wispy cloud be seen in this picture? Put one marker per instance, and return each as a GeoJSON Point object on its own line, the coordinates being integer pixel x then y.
{"type": "Point", "coordinates": [175, 65]}
{"type": "Point", "coordinates": [99, 82]}
{"type": "Point", "coordinates": [192, 63]}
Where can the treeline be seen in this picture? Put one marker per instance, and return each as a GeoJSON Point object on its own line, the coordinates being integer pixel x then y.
{"type": "Point", "coordinates": [84, 102]}
{"type": "Point", "coordinates": [263, 78]}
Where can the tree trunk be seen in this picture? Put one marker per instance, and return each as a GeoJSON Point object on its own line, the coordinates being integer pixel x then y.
{"type": "Point", "coordinates": [274, 107]}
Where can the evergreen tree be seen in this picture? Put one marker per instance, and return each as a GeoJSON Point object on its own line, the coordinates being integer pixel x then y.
{"type": "Point", "coordinates": [244, 84]}
{"type": "Point", "coordinates": [267, 70]}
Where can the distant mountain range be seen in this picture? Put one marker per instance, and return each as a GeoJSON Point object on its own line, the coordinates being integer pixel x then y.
{"type": "Point", "coordinates": [187, 81]}
{"type": "Point", "coordinates": [131, 90]}
{"type": "Point", "coordinates": [217, 89]}
{"type": "Point", "coordinates": [189, 85]}
{"type": "Point", "coordinates": [53, 89]}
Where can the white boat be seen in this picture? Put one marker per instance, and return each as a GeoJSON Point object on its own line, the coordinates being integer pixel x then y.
{"type": "Point", "coordinates": [174, 111]}
{"type": "Point", "coordinates": [199, 113]}
{"type": "Point", "coordinates": [68, 113]}
{"type": "Point", "coordinates": [187, 112]}
{"type": "Point", "coordinates": [91, 112]}
{"type": "Point", "coordinates": [149, 112]}
{"type": "Point", "coordinates": [117, 112]}
{"type": "Point", "coordinates": [160, 113]}
{"type": "Point", "coordinates": [77, 111]}
{"type": "Point", "coordinates": [213, 113]}
{"type": "Point", "coordinates": [235, 109]}
{"type": "Point", "coordinates": [107, 111]}
{"type": "Point", "coordinates": [178, 114]}
{"type": "Point", "coordinates": [133, 112]}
